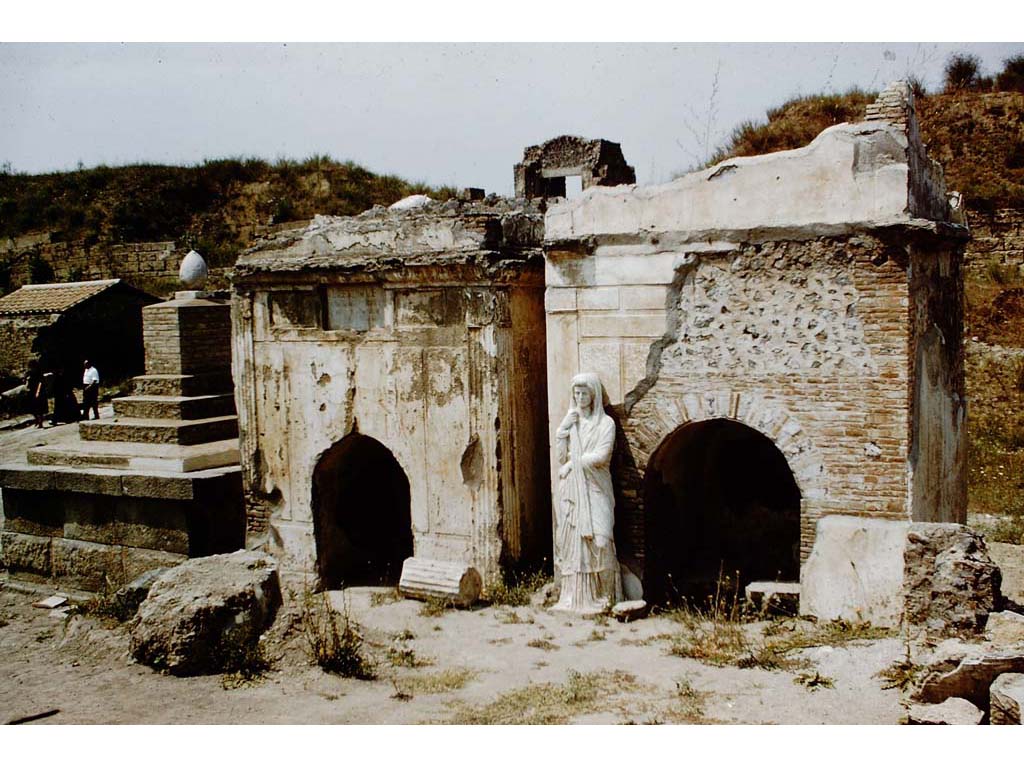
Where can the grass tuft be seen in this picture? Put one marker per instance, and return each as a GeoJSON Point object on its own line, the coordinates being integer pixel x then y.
{"type": "Point", "coordinates": [334, 641]}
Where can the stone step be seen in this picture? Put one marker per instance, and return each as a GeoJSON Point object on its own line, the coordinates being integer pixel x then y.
{"type": "Point", "coordinates": [136, 456]}
{"type": "Point", "coordinates": [178, 408]}
{"type": "Point", "coordinates": [124, 430]}
{"type": "Point", "coordinates": [183, 385]}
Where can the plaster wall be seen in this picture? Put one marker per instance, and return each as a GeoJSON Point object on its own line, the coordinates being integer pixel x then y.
{"type": "Point", "coordinates": [444, 375]}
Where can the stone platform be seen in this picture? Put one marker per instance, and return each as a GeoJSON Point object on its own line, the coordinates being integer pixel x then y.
{"type": "Point", "coordinates": [157, 483]}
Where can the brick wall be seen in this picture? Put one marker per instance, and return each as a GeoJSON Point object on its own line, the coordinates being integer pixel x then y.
{"type": "Point", "coordinates": [189, 337]}
{"type": "Point", "coordinates": [997, 237]}
{"type": "Point", "coordinates": [150, 266]}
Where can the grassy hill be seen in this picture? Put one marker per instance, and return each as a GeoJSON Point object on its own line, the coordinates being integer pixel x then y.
{"type": "Point", "coordinates": [212, 207]}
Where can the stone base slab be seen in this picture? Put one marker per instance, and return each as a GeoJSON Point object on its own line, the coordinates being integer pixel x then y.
{"type": "Point", "coordinates": [81, 564]}
{"type": "Point", "coordinates": [137, 456]}
{"type": "Point", "coordinates": [170, 431]}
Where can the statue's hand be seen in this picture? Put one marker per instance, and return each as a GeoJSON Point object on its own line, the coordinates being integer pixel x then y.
{"type": "Point", "coordinates": [572, 417]}
{"type": "Point", "coordinates": [564, 470]}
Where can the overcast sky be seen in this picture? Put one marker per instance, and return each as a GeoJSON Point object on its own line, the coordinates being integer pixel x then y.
{"type": "Point", "coordinates": [456, 114]}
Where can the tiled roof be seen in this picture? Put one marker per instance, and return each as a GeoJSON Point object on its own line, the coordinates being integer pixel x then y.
{"type": "Point", "coordinates": [50, 298]}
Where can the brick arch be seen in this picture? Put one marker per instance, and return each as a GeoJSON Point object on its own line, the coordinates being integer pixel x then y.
{"type": "Point", "coordinates": [645, 431]}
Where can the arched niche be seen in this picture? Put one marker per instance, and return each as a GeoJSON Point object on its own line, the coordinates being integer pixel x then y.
{"type": "Point", "coordinates": [361, 514]}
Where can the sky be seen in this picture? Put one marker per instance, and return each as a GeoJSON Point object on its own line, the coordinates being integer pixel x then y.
{"type": "Point", "coordinates": [444, 114]}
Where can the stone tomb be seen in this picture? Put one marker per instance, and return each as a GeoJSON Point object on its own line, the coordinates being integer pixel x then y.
{"type": "Point", "coordinates": [156, 484]}
{"type": "Point", "coordinates": [390, 378]}
{"type": "Point", "coordinates": [780, 341]}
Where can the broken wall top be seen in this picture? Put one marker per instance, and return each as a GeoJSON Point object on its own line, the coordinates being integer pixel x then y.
{"type": "Point", "coordinates": [497, 237]}
{"type": "Point", "coordinates": [852, 176]}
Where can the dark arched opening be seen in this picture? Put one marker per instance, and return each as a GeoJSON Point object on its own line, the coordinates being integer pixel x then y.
{"type": "Point", "coordinates": [720, 498]}
{"type": "Point", "coordinates": [361, 516]}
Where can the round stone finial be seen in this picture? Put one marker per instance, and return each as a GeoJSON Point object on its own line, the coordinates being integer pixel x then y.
{"type": "Point", "coordinates": [193, 271]}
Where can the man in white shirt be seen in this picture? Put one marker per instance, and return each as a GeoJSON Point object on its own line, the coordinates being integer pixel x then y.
{"type": "Point", "coordinates": [90, 391]}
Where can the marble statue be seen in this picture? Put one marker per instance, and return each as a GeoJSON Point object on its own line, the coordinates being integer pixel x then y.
{"type": "Point", "coordinates": [584, 543]}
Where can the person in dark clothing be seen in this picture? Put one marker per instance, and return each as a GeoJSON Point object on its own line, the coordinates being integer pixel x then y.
{"type": "Point", "coordinates": [65, 405]}
{"type": "Point", "coordinates": [37, 389]}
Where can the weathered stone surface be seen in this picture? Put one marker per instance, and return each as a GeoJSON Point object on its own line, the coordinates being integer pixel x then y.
{"type": "Point", "coordinates": [95, 567]}
{"type": "Point", "coordinates": [774, 597]}
{"type": "Point", "coordinates": [201, 614]}
{"type": "Point", "coordinates": [1010, 559]}
{"type": "Point", "coordinates": [965, 671]}
{"type": "Point", "coordinates": [950, 582]}
{"type": "Point", "coordinates": [423, 579]}
{"type": "Point", "coordinates": [1006, 699]}
{"type": "Point", "coordinates": [131, 595]}
{"type": "Point", "coordinates": [25, 552]}
{"type": "Point", "coordinates": [1005, 628]}
{"type": "Point", "coordinates": [952, 711]}
{"type": "Point", "coordinates": [855, 571]}
{"type": "Point", "coordinates": [630, 610]}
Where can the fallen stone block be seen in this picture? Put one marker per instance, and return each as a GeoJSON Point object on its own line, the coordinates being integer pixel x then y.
{"type": "Point", "coordinates": [950, 582]}
{"type": "Point", "coordinates": [969, 678]}
{"type": "Point", "coordinates": [206, 615]}
{"type": "Point", "coordinates": [630, 610]}
{"type": "Point", "coordinates": [1005, 628]}
{"type": "Point", "coordinates": [776, 597]}
{"type": "Point", "coordinates": [424, 579]}
{"type": "Point", "coordinates": [855, 571]}
{"type": "Point", "coordinates": [950, 712]}
{"type": "Point", "coordinates": [1006, 700]}
{"type": "Point", "coordinates": [131, 595]}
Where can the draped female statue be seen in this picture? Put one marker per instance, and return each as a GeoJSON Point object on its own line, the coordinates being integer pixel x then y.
{"type": "Point", "coordinates": [584, 543]}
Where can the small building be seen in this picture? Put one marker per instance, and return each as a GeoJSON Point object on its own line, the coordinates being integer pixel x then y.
{"type": "Point", "coordinates": [60, 324]}
{"type": "Point", "coordinates": [390, 382]}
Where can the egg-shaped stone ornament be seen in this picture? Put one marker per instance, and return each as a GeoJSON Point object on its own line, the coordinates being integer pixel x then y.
{"type": "Point", "coordinates": [193, 271]}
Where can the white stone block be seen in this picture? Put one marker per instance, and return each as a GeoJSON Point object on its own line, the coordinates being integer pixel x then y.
{"type": "Point", "coordinates": [599, 298]}
{"type": "Point", "coordinates": [560, 300]}
{"type": "Point", "coordinates": [855, 570]}
{"type": "Point", "coordinates": [642, 296]}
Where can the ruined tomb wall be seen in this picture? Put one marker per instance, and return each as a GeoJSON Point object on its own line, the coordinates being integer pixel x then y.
{"type": "Point", "coordinates": [937, 460]}
{"type": "Point", "coordinates": [428, 380]}
{"type": "Point", "coordinates": [805, 341]}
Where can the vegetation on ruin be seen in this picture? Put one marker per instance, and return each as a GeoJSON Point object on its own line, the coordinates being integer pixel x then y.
{"type": "Point", "coordinates": [972, 128]}
{"type": "Point", "coordinates": [515, 588]}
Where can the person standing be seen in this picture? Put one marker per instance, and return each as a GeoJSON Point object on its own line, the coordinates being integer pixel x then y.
{"type": "Point", "coordinates": [37, 389]}
{"type": "Point", "coordinates": [90, 391]}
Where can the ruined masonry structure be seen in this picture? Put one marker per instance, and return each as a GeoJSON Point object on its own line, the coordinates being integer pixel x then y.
{"type": "Point", "coordinates": [389, 375]}
{"type": "Point", "coordinates": [156, 484]}
{"type": "Point", "coordinates": [780, 339]}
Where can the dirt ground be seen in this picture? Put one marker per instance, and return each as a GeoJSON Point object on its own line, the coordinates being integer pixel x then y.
{"type": "Point", "coordinates": [494, 664]}
{"type": "Point", "coordinates": [484, 665]}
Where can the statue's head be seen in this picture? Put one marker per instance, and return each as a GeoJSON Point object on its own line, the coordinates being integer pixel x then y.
{"type": "Point", "coordinates": [587, 395]}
